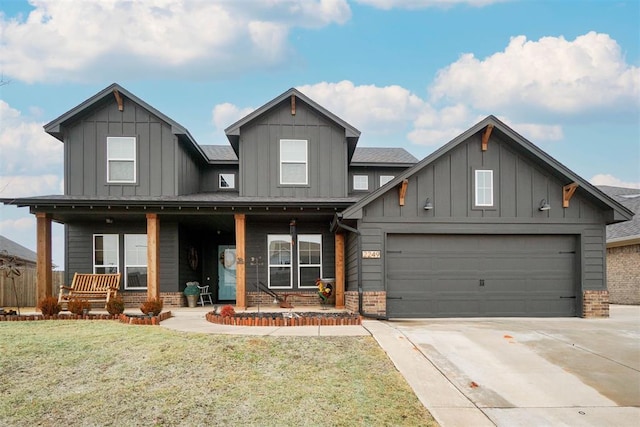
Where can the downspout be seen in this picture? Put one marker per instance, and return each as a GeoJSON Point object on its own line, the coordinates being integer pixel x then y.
{"type": "Point", "coordinates": [359, 269]}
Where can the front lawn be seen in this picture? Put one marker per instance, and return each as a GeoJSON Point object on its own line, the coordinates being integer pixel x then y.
{"type": "Point", "coordinates": [103, 373]}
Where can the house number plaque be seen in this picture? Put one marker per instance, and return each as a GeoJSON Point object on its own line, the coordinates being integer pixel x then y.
{"type": "Point", "coordinates": [371, 254]}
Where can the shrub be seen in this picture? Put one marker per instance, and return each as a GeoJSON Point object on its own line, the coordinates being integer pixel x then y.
{"type": "Point", "coordinates": [115, 305]}
{"type": "Point", "coordinates": [152, 306]}
{"type": "Point", "coordinates": [227, 311]}
{"type": "Point", "coordinates": [78, 305]}
{"type": "Point", "coordinates": [49, 306]}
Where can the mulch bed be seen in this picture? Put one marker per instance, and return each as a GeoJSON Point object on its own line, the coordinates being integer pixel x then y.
{"type": "Point", "coordinates": [285, 319]}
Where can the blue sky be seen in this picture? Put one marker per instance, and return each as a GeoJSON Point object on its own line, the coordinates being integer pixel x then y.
{"type": "Point", "coordinates": [409, 73]}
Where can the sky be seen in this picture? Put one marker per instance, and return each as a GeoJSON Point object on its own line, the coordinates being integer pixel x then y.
{"type": "Point", "coordinates": [406, 73]}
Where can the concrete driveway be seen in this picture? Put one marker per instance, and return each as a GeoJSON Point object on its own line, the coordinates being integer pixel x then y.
{"type": "Point", "coordinates": [529, 371]}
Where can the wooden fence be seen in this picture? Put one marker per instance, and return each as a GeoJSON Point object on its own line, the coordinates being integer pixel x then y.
{"type": "Point", "coordinates": [26, 286]}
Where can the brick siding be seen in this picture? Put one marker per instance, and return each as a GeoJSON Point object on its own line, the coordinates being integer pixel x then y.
{"type": "Point", "coordinates": [372, 302]}
{"type": "Point", "coordinates": [170, 299]}
{"type": "Point", "coordinates": [595, 304]}
{"type": "Point", "coordinates": [309, 298]}
{"type": "Point", "coordinates": [623, 274]}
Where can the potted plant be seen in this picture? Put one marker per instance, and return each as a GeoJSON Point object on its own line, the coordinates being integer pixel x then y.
{"type": "Point", "coordinates": [192, 292]}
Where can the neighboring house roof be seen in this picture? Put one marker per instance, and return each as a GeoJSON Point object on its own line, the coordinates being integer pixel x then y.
{"type": "Point", "coordinates": [620, 212]}
{"type": "Point", "coordinates": [363, 156]}
{"type": "Point", "coordinates": [54, 128]}
{"type": "Point", "coordinates": [351, 133]}
{"type": "Point", "coordinates": [627, 232]}
{"type": "Point", "coordinates": [12, 249]}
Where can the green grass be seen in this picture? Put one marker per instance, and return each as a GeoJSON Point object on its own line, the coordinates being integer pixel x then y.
{"type": "Point", "coordinates": [103, 373]}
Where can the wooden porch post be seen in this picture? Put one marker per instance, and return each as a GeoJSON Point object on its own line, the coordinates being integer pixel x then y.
{"type": "Point", "coordinates": [153, 256]}
{"type": "Point", "coordinates": [43, 261]}
{"type": "Point", "coordinates": [241, 298]}
{"type": "Point", "coordinates": [339, 243]}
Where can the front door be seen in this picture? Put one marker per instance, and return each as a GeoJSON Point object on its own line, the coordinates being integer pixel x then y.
{"type": "Point", "coordinates": [226, 273]}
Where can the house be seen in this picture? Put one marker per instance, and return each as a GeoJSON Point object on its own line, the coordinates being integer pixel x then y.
{"type": "Point", "coordinates": [10, 250]}
{"type": "Point", "coordinates": [623, 249]}
{"type": "Point", "coordinates": [487, 225]}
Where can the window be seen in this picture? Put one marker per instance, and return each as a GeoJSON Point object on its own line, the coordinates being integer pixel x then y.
{"type": "Point", "coordinates": [135, 261]}
{"type": "Point", "coordinates": [105, 253]}
{"type": "Point", "coordinates": [309, 259]}
{"type": "Point", "coordinates": [279, 251]}
{"type": "Point", "coordinates": [361, 182]}
{"type": "Point", "coordinates": [385, 178]}
{"type": "Point", "coordinates": [484, 188]}
{"type": "Point", "coordinates": [293, 162]}
{"type": "Point", "coordinates": [226, 181]}
{"type": "Point", "coordinates": [121, 159]}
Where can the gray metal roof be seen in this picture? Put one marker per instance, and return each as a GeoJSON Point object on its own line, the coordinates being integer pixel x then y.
{"type": "Point", "coordinates": [13, 249]}
{"type": "Point", "coordinates": [380, 155]}
{"type": "Point", "coordinates": [629, 198]}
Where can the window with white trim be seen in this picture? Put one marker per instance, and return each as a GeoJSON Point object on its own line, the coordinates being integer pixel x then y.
{"type": "Point", "coordinates": [279, 254]}
{"type": "Point", "coordinates": [135, 261]}
{"type": "Point", "coordinates": [293, 162]}
{"type": "Point", "coordinates": [385, 178]}
{"type": "Point", "coordinates": [360, 182]}
{"type": "Point", "coordinates": [309, 259]}
{"type": "Point", "coordinates": [105, 253]}
{"type": "Point", "coordinates": [484, 188]}
{"type": "Point", "coordinates": [226, 181]}
{"type": "Point", "coordinates": [121, 159]}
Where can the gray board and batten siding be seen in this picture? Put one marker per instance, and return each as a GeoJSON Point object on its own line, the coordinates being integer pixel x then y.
{"type": "Point", "coordinates": [422, 281]}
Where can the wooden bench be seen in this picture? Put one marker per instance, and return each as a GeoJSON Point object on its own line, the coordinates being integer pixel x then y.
{"type": "Point", "coordinates": [95, 288]}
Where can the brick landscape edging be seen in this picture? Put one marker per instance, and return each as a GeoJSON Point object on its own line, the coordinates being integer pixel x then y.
{"type": "Point", "coordinates": [144, 320]}
{"type": "Point", "coordinates": [123, 318]}
{"type": "Point", "coordinates": [239, 320]}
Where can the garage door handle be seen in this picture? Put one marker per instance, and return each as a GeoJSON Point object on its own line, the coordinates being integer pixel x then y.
{"type": "Point", "coordinates": [573, 297]}
{"type": "Point", "coordinates": [394, 297]}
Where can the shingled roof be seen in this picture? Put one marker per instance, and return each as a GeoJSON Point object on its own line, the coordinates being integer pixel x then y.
{"type": "Point", "coordinates": [10, 248]}
{"type": "Point", "coordinates": [629, 198]}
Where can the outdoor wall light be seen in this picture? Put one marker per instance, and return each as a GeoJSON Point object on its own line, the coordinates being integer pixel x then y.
{"type": "Point", "coordinates": [428, 205]}
{"type": "Point", "coordinates": [108, 220]}
{"type": "Point", "coordinates": [544, 205]}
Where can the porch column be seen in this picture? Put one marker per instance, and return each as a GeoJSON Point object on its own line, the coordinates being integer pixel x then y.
{"type": "Point", "coordinates": [43, 261]}
{"type": "Point", "coordinates": [153, 256]}
{"type": "Point", "coordinates": [241, 298]}
{"type": "Point", "coordinates": [339, 243]}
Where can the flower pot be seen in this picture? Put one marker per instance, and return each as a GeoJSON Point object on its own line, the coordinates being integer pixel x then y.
{"type": "Point", "coordinates": [192, 300]}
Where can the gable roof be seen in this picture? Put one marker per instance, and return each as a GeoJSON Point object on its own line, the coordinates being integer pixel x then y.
{"type": "Point", "coordinates": [629, 230]}
{"type": "Point", "coordinates": [620, 213]}
{"type": "Point", "coordinates": [12, 249]}
{"type": "Point", "coordinates": [351, 133]}
{"type": "Point", "coordinates": [54, 127]}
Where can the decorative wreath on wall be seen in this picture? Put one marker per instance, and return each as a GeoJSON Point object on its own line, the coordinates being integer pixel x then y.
{"type": "Point", "coordinates": [192, 256]}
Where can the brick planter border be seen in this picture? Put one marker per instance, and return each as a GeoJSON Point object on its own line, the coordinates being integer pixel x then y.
{"type": "Point", "coordinates": [123, 318]}
{"type": "Point", "coordinates": [240, 320]}
{"type": "Point", "coordinates": [144, 320]}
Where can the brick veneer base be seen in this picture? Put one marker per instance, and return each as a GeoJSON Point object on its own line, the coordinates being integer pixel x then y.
{"type": "Point", "coordinates": [240, 320]}
{"type": "Point", "coordinates": [169, 299]}
{"type": "Point", "coordinates": [296, 299]}
{"type": "Point", "coordinates": [372, 302]}
{"type": "Point", "coordinates": [623, 274]}
{"type": "Point", "coordinates": [595, 304]}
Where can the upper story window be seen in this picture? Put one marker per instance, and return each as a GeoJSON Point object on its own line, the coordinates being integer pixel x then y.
{"type": "Point", "coordinates": [226, 181]}
{"type": "Point", "coordinates": [293, 162]}
{"type": "Point", "coordinates": [385, 178]}
{"type": "Point", "coordinates": [361, 182]}
{"type": "Point", "coordinates": [484, 188]}
{"type": "Point", "coordinates": [121, 159]}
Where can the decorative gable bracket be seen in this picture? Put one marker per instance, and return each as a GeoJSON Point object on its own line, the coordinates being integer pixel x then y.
{"type": "Point", "coordinates": [118, 99]}
{"type": "Point", "coordinates": [402, 191]}
{"type": "Point", "coordinates": [485, 137]}
{"type": "Point", "coordinates": [567, 193]}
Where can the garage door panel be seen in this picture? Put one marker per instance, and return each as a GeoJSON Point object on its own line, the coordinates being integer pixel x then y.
{"type": "Point", "coordinates": [480, 275]}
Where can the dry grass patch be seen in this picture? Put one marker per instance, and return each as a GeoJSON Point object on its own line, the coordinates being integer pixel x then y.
{"type": "Point", "coordinates": [110, 374]}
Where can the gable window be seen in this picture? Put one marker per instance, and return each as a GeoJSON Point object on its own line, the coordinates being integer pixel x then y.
{"type": "Point", "coordinates": [121, 159]}
{"type": "Point", "coordinates": [226, 181]}
{"type": "Point", "coordinates": [293, 162]}
{"type": "Point", "coordinates": [279, 253]}
{"type": "Point", "coordinates": [135, 261]}
{"type": "Point", "coordinates": [105, 253]}
{"type": "Point", "coordinates": [360, 182]}
{"type": "Point", "coordinates": [309, 259]}
{"type": "Point", "coordinates": [484, 188]}
{"type": "Point", "coordinates": [385, 178]}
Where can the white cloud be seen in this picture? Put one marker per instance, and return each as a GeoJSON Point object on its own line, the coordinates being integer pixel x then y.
{"type": "Point", "coordinates": [117, 38]}
{"type": "Point", "coordinates": [535, 131]}
{"type": "Point", "coordinates": [34, 185]}
{"type": "Point", "coordinates": [552, 75]}
{"type": "Point", "coordinates": [22, 138]}
{"type": "Point", "coordinates": [26, 223]}
{"type": "Point", "coordinates": [422, 4]}
{"type": "Point", "coordinates": [606, 179]}
{"type": "Point", "coordinates": [224, 115]}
